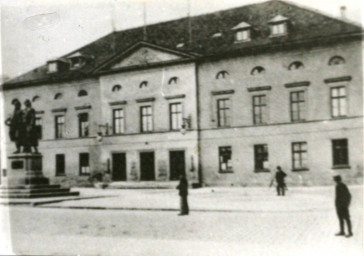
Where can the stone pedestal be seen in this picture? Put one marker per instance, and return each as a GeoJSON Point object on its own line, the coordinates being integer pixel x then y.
{"type": "Point", "coordinates": [24, 179]}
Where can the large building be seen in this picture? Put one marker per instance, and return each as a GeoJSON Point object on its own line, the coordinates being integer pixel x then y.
{"type": "Point", "coordinates": [223, 97]}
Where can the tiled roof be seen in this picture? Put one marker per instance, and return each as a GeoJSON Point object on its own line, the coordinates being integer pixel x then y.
{"type": "Point", "coordinates": [305, 24]}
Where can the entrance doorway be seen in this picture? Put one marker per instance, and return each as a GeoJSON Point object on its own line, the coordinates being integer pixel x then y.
{"type": "Point", "coordinates": [176, 164]}
{"type": "Point", "coordinates": [118, 167]}
{"type": "Point", "coordinates": [147, 166]}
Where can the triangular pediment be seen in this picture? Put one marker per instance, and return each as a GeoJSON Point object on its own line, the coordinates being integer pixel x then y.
{"type": "Point", "coordinates": [143, 55]}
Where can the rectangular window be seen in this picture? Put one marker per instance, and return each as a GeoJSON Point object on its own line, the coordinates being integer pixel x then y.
{"type": "Point", "coordinates": [118, 121]}
{"type": "Point", "coordinates": [259, 109]}
{"type": "Point", "coordinates": [39, 127]}
{"type": "Point", "coordinates": [83, 125]}
{"type": "Point", "coordinates": [340, 154]}
{"type": "Point", "coordinates": [59, 126]}
{"type": "Point", "coordinates": [175, 116]}
{"type": "Point", "coordinates": [223, 112]}
{"type": "Point", "coordinates": [146, 119]}
{"type": "Point", "coordinates": [243, 35]}
{"type": "Point", "coordinates": [299, 155]}
{"type": "Point", "coordinates": [60, 165]}
{"type": "Point", "coordinates": [225, 160]}
{"type": "Point", "coordinates": [84, 164]}
{"type": "Point", "coordinates": [261, 157]}
{"type": "Point", "coordinates": [298, 108]}
{"type": "Point", "coordinates": [338, 101]}
{"type": "Point", "coordinates": [279, 29]}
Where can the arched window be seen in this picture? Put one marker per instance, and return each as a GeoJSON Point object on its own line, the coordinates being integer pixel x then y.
{"type": "Point", "coordinates": [295, 65]}
{"type": "Point", "coordinates": [222, 74]}
{"type": "Point", "coordinates": [173, 80]}
{"type": "Point", "coordinates": [82, 93]}
{"type": "Point", "coordinates": [336, 60]}
{"type": "Point", "coordinates": [257, 71]}
{"type": "Point", "coordinates": [116, 88]}
{"type": "Point", "coordinates": [58, 96]}
{"type": "Point", "coordinates": [36, 98]}
{"type": "Point", "coordinates": [143, 84]}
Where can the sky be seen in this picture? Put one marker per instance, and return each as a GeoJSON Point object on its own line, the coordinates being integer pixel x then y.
{"type": "Point", "coordinates": [34, 31]}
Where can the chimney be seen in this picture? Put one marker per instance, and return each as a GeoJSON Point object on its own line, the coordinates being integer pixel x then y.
{"type": "Point", "coordinates": [343, 12]}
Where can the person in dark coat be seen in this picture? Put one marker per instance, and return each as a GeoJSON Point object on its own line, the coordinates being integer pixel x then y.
{"type": "Point", "coordinates": [281, 186]}
{"type": "Point", "coordinates": [31, 136]}
{"type": "Point", "coordinates": [342, 202]}
{"type": "Point", "coordinates": [16, 127]}
{"type": "Point", "coordinates": [183, 192]}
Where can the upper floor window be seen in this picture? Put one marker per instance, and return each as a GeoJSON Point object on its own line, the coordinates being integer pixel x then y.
{"type": "Point", "coordinates": [143, 84]}
{"type": "Point", "coordinates": [242, 32]}
{"type": "Point", "coordinates": [259, 109]}
{"type": "Point", "coordinates": [338, 101]}
{"type": "Point", "coordinates": [257, 71]}
{"type": "Point", "coordinates": [222, 74]}
{"type": "Point", "coordinates": [223, 112]}
{"type": "Point", "coordinates": [82, 93]}
{"type": "Point", "coordinates": [59, 126]}
{"type": "Point", "coordinates": [295, 65]}
{"type": "Point", "coordinates": [118, 120]}
{"type": "Point", "coordinates": [83, 125]}
{"type": "Point", "coordinates": [173, 80]}
{"type": "Point", "coordinates": [298, 108]}
{"type": "Point", "coordinates": [116, 88]}
{"type": "Point", "coordinates": [278, 25]}
{"type": "Point", "coordinates": [336, 60]}
{"type": "Point", "coordinates": [175, 116]}
{"type": "Point", "coordinates": [36, 98]}
{"type": "Point", "coordinates": [58, 96]}
{"type": "Point", "coordinates": [146, 119]}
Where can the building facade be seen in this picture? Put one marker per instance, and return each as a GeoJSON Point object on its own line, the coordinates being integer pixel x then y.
{"type": "Point", "coordinates": [223, 98]}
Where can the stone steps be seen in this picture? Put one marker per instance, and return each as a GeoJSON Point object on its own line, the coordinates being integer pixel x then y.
{"type": "Point", "coordinates": [37, 194]}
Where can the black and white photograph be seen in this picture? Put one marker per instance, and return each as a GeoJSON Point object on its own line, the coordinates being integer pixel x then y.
{"type": "Point", "coordinates": [181, 127]}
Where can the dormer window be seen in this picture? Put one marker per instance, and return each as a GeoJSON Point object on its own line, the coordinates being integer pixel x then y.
{"type": "Point", "coordinates": [58, 65]}
{"type": "Point", "coordinates": [242, 32]}
{"type": "Point", "coordinates": [278, 25]}
{"type": "Point", "coordinates": [77, 60]}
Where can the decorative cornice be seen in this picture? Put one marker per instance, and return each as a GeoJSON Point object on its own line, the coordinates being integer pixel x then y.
{"type": "Point", "coordinates": [145, 100]}
{"type": "Point", "coordinates": [179, 96]}
{"type": "Point", "coordinates": [260, 88]}
{"type": "Point", "coordinates": [39, 112]}
{"type": "Point", "coordinates": [56, 110]}
{"type": "Point", "coordinates": [223, 92]}
{"type": "Point", "coordinates": [297, 84]}
{"type": "Point", "coordinates": [83, 107]}
{"type": "Point", "coordinates": [338, 79]}
{"type": "Point", "coordinates": [114, 103]}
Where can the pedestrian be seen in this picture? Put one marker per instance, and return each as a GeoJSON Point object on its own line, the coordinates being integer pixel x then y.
{"type": "Point", "coordinates": [183, 192]}
{"type": "Point", "coordinates": [342, 202]}
{"type": "Point", "coordinates": [281, 185]}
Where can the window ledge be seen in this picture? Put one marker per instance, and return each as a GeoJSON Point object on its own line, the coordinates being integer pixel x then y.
{"type": "Point", "coordinates": [341, 167]}
{"type": "Point", "coordinates": [261, 170]}
{"type": "Point", "coordinates": [300, 170]}
{"type": "Point", "coordinates": [338, 117]}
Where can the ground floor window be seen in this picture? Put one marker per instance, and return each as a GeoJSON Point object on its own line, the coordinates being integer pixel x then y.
{"type": "Point", "coordinates": [261, 157]}
{"type": "Point", "coordinates": [225, 160]}
{"type": "Point", "coordinates": [340, 154]}
{"type": "Point", "coordinates": [84, 164]}
{"type": "Point", "coordinates": [299, 155]}
{"type": "Point", "coordinates": [60, 165]}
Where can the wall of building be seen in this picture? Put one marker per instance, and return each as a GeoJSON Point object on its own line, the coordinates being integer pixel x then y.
{"type": "Point", "coordinates": [278, 133]}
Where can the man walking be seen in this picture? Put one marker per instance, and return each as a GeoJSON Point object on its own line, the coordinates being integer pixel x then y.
{"type": "Point", "coordinates": [342, 202]}
{"type": "Point", "coordinates": [183, 192]}
{"type": "Point", "coordinates": [281, 186]}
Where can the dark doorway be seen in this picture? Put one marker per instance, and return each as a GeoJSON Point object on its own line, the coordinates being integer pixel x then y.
{"type": "Point", "coordinates": [118, 167]}
{"type": "Point", "coordinates": [176, 164]}
{"type": "Point", "coordinates": [147, 166]}
{"type": "Point", "coordinates": [60, 165]}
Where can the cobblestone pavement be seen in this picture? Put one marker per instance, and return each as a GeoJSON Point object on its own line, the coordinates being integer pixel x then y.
{"type": "Point", "coordinates": [48, 231]}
